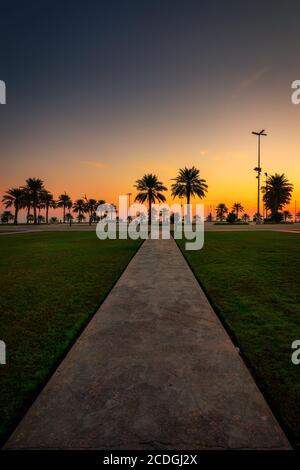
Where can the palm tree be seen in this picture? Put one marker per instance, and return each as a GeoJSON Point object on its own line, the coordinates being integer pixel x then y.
{"type": "Point", "coordinates": [79, 207]}
{"type": "Point", "coordinates": [69, 206]}
{"type": "Point", "coordinates": [150, 190]}
{"type": "Point", "coordinates": [237, 207]}
{"type": "Point", "coordinates": [91, 207]}
{"type": "Point", "coordinates": [277, 193]}
{"type": "Point", "coordinates": [34, 186]}
{"type": "Point", "coordinates": [63, 201]}
{"type": "Point", "coordinates": [14, 197]}
{"type": "Point", "coordinates": [47, 201]}
{"type": "Point", "coordinates": [188, 183]}
{"type": "Point", "coordinates": [27, 202]}
{"type": "Point", "coordinates": [246, 217]}
{"type": "Point", "coordinates": [221, 210]}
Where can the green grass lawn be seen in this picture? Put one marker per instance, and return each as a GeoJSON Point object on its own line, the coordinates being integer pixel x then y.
{"type": "Point", "coordinates": [51, 285]}
{"type": "Point", "coordinates": [253, 282]}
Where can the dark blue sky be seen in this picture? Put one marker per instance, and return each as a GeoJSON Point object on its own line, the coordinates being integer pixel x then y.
{"type": "Point", "coordinates": [114, 53]}
{"type": "Point", "coordinates": [132, 75]}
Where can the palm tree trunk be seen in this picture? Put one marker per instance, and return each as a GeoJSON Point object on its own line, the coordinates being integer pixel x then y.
{"type": "Point", "coordinates": [16, 215]}
{"type": "Point", "coordinates": [64, 214]}
{"type": "Point", "coordinates": [47, 211]}
{"type": "Point", "coordinates": [34, 213]}
{"type": "Point", "coordinates": [150, 210]}
{"type": "Point", "coordinates": [188, 199]}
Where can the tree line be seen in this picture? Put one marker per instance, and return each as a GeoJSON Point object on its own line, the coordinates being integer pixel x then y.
{"type": "Point", "coordinates": [33, 196]}
{"type": "Point", "coordinates": [277, 193]}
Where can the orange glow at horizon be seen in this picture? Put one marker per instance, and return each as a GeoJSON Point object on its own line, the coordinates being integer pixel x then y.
{"type": "Point", "coordinates": [105, 163]}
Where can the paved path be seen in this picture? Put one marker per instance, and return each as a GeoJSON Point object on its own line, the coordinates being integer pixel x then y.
{"type": "Point", "coordinates": [154, 369]}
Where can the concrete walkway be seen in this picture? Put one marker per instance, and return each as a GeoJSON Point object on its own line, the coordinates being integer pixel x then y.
{"type": "Point", "coordinates": [154, 369]}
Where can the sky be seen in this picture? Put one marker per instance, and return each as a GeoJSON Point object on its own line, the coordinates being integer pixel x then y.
{"type": "Point", "coordinates": [101, 92]}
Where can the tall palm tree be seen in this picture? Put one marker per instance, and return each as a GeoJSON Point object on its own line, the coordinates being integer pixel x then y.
{"type": "Point", "coordinates": [91, 207]}
{"type": "Point", "coordinates": [69, 206]}
{"type": "Point", "coordinates": [277, 193]}
{"type": "Point", "coordinates": [237, 207]}
{"type": "Point", "coordinates": [188, 183]}
{"type": "Point", "coordinates": [221, 210]}
{"type": "Point", "coordinates": [149, 189]}
{"type": "Point", "coordinates": [47, 202]}
{"type": "Point", "coordinates": [27, 203]}
{"type": "Point", "coordinates": [34, 186]}
{"type": "Point", "coordinates": [14, 197]}
{"type": "Point", "coordinates": [79, 208]}
{"type": "Point", "coordinates": [63, 201]}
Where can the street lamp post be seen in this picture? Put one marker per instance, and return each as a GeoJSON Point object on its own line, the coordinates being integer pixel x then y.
{"type": "Point", "coordinates": [266, 175]}
{"type": "Point", "coordinates": [128, 194]}
{"type": "Point", "coordinates": [258, 170]}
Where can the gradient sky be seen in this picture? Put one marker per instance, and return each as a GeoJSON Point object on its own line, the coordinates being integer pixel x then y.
{"type": "Point", "coordinates": [100, 92]}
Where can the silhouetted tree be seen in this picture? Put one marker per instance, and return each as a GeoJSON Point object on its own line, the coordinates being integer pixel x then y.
{"type": "Point", "coordinates": [47, 201]}
{"type": "Point", "coordinates": [79, 208]}
{"type": "Point", "coordinates": [277, 193]}
{"type": "Point", "coordinates": [231, 218]}
{"type": "Point", "coordinates": [34, 186]}
{"type": "Point", "coordinates": [221, 211]}
{"type": "Point", "coordinates": [14, 197]}
{"type": "Point", "coordinates": [63, 201]}
{"type": "Point", "coordinates": [150, 189]}
{"type": "Point", "coordinates": [237, 207]}
{"type": "Point", "coordinates": [91, 207]}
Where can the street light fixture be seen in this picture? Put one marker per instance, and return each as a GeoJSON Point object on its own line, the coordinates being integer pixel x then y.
{"type": "Point", "coordinates": [258, 170]}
